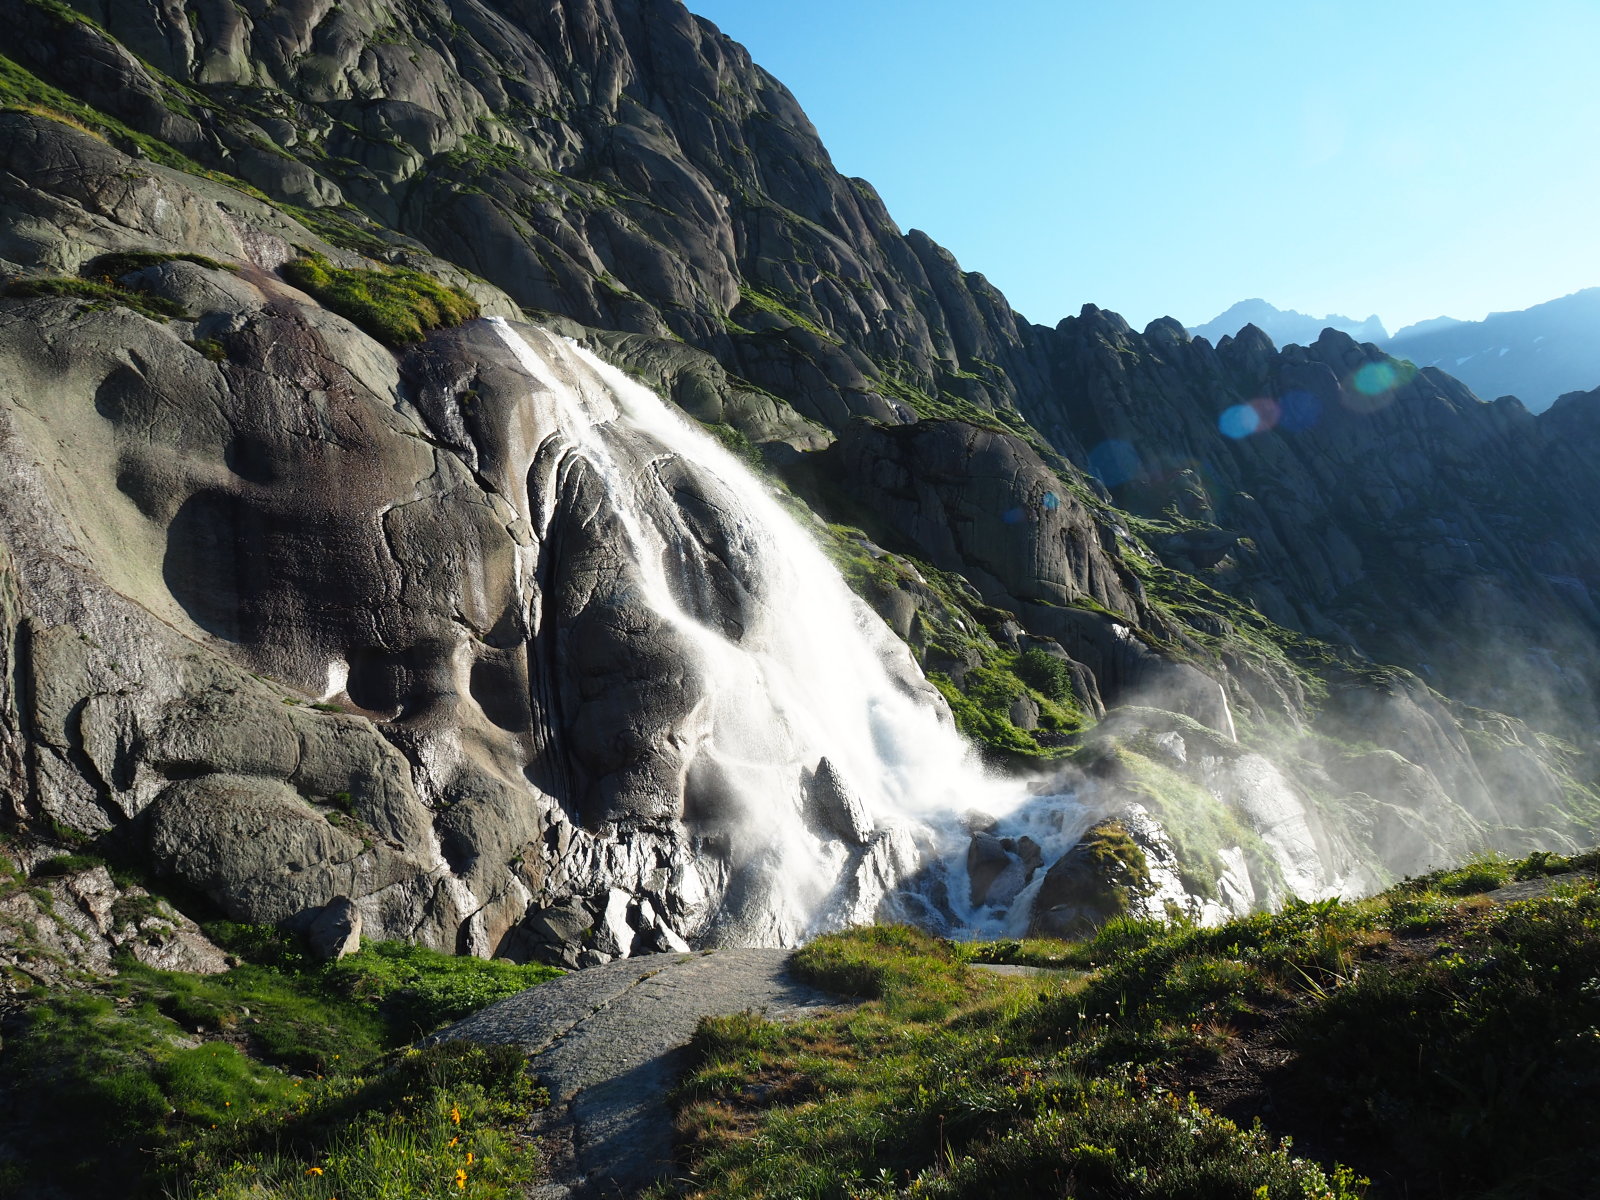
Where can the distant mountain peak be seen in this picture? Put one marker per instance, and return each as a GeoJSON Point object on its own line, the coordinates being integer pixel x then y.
{"type": "Point", "coordinates": [1284, 326]}
{"type": "Point", "coordinates": [1535, 353]}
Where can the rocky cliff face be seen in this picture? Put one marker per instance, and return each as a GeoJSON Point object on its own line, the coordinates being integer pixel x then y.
{"type": "Point", "coordinates": [294, 614]}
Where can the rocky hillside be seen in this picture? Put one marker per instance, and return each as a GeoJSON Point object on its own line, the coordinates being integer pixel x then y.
{"type": "Point", "coordinates": [303, 603]}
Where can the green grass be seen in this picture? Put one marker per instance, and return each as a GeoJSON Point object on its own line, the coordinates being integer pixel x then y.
{"type": "Point", "coordinates": [396, 305]}
{"type": "Point", "coordinates": [23, 91]}
{"type": "Point", "coordinates": [1083, 1081]}
{"type": "Point", "coordinates": [66, 864]}
{"type": "Point", "coordinates": [111, 267]}
{"type": "Point", "coordinates": [942, 1086]}
{"type": "Point", "coordinates": [418, 990]}
{"type": "Point", "coordinates": [213, 1084]}
{"type": "Point", "coordinates": [771, 303]}
{"type": "Point", "coordinates": [99, 294]}
{"type": "Point", "coordinates": [441, 1122]}
{"type": "Point", "coordinates": [345, 228]}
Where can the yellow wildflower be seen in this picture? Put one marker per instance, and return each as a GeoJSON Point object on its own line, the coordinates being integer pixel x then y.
{"type": "Point", "coordinates": [313, 1170]}
{"type": "Point", "coordinates": [455, 1114]}
{"type": "Point", "coordinates": [461, 1179]}
{"type": "Point", "coordinates": [469, 1158]}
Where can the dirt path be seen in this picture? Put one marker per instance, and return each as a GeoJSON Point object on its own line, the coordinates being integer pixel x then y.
{"type": "Point", "coordinates": [608, 1042]}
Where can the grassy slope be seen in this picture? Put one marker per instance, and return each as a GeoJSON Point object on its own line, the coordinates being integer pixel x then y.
{"type": "Point", "coordinates": [1441, 1044]}
{"type": "Point", "coordinates": [276, 1075]}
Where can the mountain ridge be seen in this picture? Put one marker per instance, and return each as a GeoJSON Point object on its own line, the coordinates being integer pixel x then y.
{"type": "Point", "coordinates": [1286, 325]}
{"type": "Point", "coordinates": [1536, 354]}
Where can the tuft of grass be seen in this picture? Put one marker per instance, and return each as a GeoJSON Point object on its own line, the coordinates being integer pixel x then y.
{"type": "Point", "coordinates": [770, 302]}
{"type": "Point", "coordinates": [1115, 1143]}
{"type": "Point", "coordinates": [1045, 672]}
{"type": "Point", "coordinates": [114, 266]}
{"type": "Point", "coordinates": [1481, 873]}
{"type": "Point", "coordinates": [896, 964]}
{"type": "Point", "coordinates": [396, 305]}
{"type": "Point", "coordinates": [418, 990]}
{"type": "Point", "coordinates": [1048, 953]}
{"type": "Point", "coordinates": [210, 348]}
{"type": "Point", "coordinates": [66, 864]}
{"type": "Point", "coordinates": [99, 294]}
{"type": "Point", "coordinates": [346, 228]}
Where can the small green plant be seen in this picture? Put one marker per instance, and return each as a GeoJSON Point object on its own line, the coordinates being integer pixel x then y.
{"type": "Point", "coordinates": [396, 305]}
{"type": "Point", "coordinates": [1044, 671]}
{"type": "Point", "coordinates": [417, 989]}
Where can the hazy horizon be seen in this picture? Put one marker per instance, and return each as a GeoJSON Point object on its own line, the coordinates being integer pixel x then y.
{"type": "Point", "coordinates": [1338, 157]}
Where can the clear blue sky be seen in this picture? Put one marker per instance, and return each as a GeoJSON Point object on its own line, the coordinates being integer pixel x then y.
{"type": "Point", "coordinates": [1411, 158]}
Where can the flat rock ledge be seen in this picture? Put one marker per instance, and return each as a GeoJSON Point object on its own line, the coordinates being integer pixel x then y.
{"type": "Point", "coordinates": [610, 1041]}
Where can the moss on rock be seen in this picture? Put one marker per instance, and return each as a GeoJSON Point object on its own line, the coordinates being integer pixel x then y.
{"type": "Point", "coordinates": [396, 305]}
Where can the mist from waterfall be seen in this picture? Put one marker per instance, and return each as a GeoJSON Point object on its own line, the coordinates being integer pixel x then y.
{"type": "Point", "coordinates": [813, 686]}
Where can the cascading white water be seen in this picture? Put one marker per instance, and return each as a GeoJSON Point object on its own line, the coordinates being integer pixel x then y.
{"type": "Point", "coordinates": [812, 675]}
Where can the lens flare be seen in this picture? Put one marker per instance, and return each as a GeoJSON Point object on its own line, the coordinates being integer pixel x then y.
{"type": "Point", "coordinates": [1373, 379]}
{"type": "Point", "coordinates": [1373, 385]}
{"type": "Point", "coordinates": [1267, 413]}
{"type": "Point", "coordinates": [1239, 421]}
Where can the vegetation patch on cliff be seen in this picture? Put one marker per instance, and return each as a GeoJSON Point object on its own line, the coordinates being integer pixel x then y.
{"type": "Point", "coordinates": [100, 294]}
{"type": "Point", "coordinates": [396, 305]}
{"type": "Point", "coordinates": [23, 91]}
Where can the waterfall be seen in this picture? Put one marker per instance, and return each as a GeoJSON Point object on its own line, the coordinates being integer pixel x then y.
{"type": "Point", "coordinates": [849, 787]}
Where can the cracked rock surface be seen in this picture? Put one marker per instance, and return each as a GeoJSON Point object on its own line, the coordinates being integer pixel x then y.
{"type": "Point", "coordinates": [610, 1041]}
